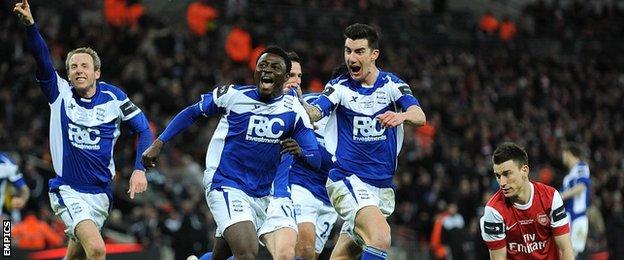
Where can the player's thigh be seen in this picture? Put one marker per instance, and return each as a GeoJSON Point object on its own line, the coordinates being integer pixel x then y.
{"type": "Point", "coordinates": [345, 249]}
{"type": "Point", "coordinates": [279, 229]}
{"type": "Point", "coordinates": [371, 226]}
{"type": "Point", "coordinates": [306, 239]}
{"type": "Point", "coordinates": [241, 237]}
{"type": "Point", "coordinates": [89, 236]}
{"type": "Point", "coordinates": [230, 206]}
{"type": "Point", "coordinates": [73, 207]}
{"type": "Point", "coordinates": [350, 195]}
{"type": "Point", "coordinates": [280, 241]}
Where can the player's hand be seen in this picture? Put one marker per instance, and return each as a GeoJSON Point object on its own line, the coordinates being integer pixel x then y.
{"type": "Point", "coordinates": [291, 146]}
{"type": "Point", "coordinates": [138, 183]}
{"type": "Point", "coordinates": [17, 203]}
{"type": "Point", "coordinates": [150, 156]}
{"type": "Point", "coordinates": [23, 12]}
{"type": "Point", "coordinates": [293, 86]}
{"type": "Point", "coordinates": [390, 119]}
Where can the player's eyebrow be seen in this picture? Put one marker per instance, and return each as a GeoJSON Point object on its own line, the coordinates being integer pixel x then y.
{"type": "Point", "coordinates": [501, 173]}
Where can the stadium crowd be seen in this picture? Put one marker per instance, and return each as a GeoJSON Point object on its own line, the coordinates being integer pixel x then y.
{"type": "Point", "coordinates": [477, 92]}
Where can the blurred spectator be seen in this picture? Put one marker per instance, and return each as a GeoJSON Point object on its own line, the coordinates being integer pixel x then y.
{"type": "Point", "coordinates": [507, 30]}
{"type": "Point", "coordinates": [34, 234]}
{"type": "Point", "coordinates": [238, 45]}
{"type": "Point", "coordinates": [200, 17]}
{"type": "Point", "coordinates": [488, 23]}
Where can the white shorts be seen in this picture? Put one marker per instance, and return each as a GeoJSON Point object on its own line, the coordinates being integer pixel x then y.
{"type": "Point", "coordinates": [279, 215]}
{"type": "Point", "coordinates": [350, 194]}
{"type": "Point", "coordinates": [73, 207]}
{"type": "Point", "coordinates": [578, 233]}
{"type": "Point", "coordinates": [230, 206]}
{"type": "Point", "coordinates": [309, 209]}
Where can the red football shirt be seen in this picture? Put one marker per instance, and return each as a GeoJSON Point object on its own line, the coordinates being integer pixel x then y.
{"type": "Point", "coordinates": [527, 231]}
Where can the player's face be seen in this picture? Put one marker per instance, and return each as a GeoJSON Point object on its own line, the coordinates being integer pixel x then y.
{"type": "Point", "coordinates": [565, 156]}
{"type": "Point", "coordinates": [82, 73]}
{"type": "Point", "coordinates": [294, 77]}
{"type": "Point", "coordinates": [359, 58]}
{"type": "Point", "coordinates": [511, 177]}
{"type": "Point", "coordinates": [270, 74]}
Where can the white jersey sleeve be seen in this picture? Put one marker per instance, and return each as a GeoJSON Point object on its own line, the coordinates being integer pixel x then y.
{"type": "Point", "coordinates": [558, 215]}
{"type": "Point", "coordinates": [492, 225]}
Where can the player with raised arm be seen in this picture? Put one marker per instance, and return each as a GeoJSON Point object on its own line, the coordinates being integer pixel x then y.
{"type": "Point", "coordinates": [257, 124]}
{"type": "Point", "coordinates": [313, 211]}
{"type": "Point", "coordinates": [575, 195]}
{"type": "Point", "coordinates": [366, 108]}
{"type": "Point", "coordinates": [9, 172]}
{"type": "Point", "coordinates": [523, 219]}
{"type": "Point", "coordinates": [85, 122]}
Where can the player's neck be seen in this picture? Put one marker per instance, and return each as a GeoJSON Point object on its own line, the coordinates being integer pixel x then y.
{"type": "Point", "coordinates": [87, 93]}
{"type": "Point", "coordinates": [573, 162]}
{"type": "Point", "coordinates": [525, 194]}
{"type": "Point", "coordinates": [372, 77]}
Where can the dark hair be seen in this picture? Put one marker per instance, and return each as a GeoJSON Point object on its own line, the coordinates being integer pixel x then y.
{"type": "Point", "coordinates": [510, 151]}
{"type": "Point", "coordinates": [277, 51]}
{"type": "Point", "coordinates": [293, 57]}
{"type": "Point", "coordinates": [575, 149]}
{"type": "Point", "coordinates": [358, 31]}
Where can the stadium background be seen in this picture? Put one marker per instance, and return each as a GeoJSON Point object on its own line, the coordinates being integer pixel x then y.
{"type": "Point", "coordinates": [558, 77]}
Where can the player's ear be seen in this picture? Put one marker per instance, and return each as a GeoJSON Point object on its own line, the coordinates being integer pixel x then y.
{"type": "Point", "coordinates": [97, 74]}
{"type": "Point", "coordinates": [525, 170]}
{"type": "Point", "coordinates": [374, 54]}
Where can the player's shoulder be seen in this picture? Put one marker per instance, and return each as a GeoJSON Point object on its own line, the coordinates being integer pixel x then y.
{"type": "Point", "coordinates": [541, 187]}
{"type": "Point", "coordinates": [391, 78]}
{"type": "Point", "coordinates": [231, 90]}
{"type": "Point", "coordinates": [114, 92]}
{"type": "Point", "coordinates": [5, 159]}
{"type": "Point", "coordinates": [342, 80]}
{"type": "Point", "coordinates": [544, 191]}
{"type": "Point", "coordinates": [582, 169]}
{"type": "Point", "coordinates": [497, 201]}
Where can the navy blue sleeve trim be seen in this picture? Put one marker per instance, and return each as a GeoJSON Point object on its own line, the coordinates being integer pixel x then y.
{"type": "Point", "coordinates": [492, 228]}
{"type": "Point", "coordinates": [558, 214]}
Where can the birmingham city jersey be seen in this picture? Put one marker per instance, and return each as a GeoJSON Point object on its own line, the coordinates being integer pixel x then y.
{"type": "Point", "coordinates": [83, 131]}
{"type": "Point", "coordinates": [244, 151]}
{"type": "Point", "coordinates": [9, 173]}
{"type": "Point", "coordinates": [312, 179]}
{"type": "Point", "coordinates": [577, 206]}
{"type": "Point", "coordinates": [353, 134]}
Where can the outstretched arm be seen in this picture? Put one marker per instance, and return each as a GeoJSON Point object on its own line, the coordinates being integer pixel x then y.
{"type": "Point", "coordinates": [37, 46]}
{"type": "Point", "coordinates": [180, 122]}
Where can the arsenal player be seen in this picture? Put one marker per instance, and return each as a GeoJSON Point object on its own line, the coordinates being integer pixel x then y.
{"type": "Point", "coordinates": [524, 219]}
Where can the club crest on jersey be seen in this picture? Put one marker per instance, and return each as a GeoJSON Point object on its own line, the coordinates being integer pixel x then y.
{"type": "Point", "coordinates": [265, 130]}
{"type": "Point", "coordinates": [100, 114]}
{"type": "Point", "coordinates": [83, 137]}
{"type": "Point", "coordinates": [543, 219]}
{"type": "Point", "coordinates": [366, 129]}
